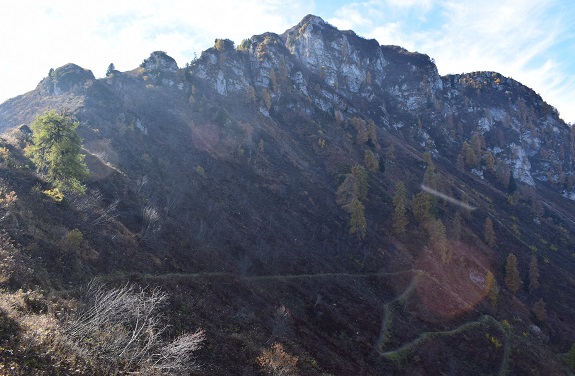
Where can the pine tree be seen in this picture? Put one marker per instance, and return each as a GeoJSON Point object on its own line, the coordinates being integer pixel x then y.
{"type": "Point", "coordinates": [490, 162]}
{"type": "Point", "coordinates": [360, 179]}
{"type": "Point", "coordinates": [492, 289]}
{"type": "Point", "coordinates": [349, 196]}
{"type": "Point", "coordinates": [456, 229]}
{"type": "Point", "coordinates": [55, 151]}
{"type": "Point", "coordinates": [110, 70]}
{"type": "Point", "coordinates": [489, 233]}
{"type": "Point", "coordinates": [539, 310]}
{"type": "Point", "coordinates": [430, 177]}
{"type": "Point", "coordinates": [370, 160]}
{"type": "Point", "coordinates": [512, 279]}
{"type": "Point", "coordinates": [438, 239]}
{"type": "Point", "coordinates": [357, 223]}
{"type": "Point", "coordinates": [421, 206]}
{"type": "Point", "coordinates": [400, 208]}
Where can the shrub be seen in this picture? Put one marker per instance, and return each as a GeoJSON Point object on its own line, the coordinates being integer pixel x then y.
{"type": "Point", "coordinates": [121, 330]}
{"type": "Point", "coordinates": [276, 361]}
{"type": "Point", "coordinates": [54, 194]}
{"type": "Point", "coordinates": [73, 239]}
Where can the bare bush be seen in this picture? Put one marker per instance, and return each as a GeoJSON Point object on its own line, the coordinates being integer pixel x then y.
{"type": "Point", "coordinates": [122, 330]}
{"type": "Point", "coordinates": [282, 323]}
{"type": "Point", "coordinates": [151, 224]}
{"type": "Point", "coordinates": [87, 202]}
{"type": "Point", "coordinates": [107, 214]}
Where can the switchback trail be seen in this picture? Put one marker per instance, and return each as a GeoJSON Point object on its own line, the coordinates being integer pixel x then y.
{"type": "Point", "coordinates": [123, 275]}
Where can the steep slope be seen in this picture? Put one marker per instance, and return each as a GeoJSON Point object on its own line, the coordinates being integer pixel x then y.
{"type": "Point", "coordinates": [256, 185]}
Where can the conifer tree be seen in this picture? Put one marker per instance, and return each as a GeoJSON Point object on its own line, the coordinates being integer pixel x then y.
{"type": "Point", "coordinates": [438, 239]}
{"type": "Point", "coordinates": [491, 287]}
{"type": "Point", "coordinates": [357, 223]}
{"type": "Point", "coordinates": [55, 151]}
{"type": "Point", "coordinates": [456, 227]}
{"type": "Point", "coordinates": [489, 233]}
{"type": "Point", "coordinates": [400, 208]}
{"type": "Point", "coordinates": [370, 160]}
{"type": "Point", "coordinates": [360, 179]}
{"type": "Point", "coordinates": [110, 70]}
{"type": "Point", "coordinates": [512, 279]}
{"type": "Point", "coordinates": [421, 206]}
{"type": "Point", "coordinates": [539, 310]}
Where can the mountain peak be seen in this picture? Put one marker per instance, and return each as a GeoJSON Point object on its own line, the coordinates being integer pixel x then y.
{"type": "Point", "coordinates": [313, 20]}
{"type": "Point", "coordinates": [65, 78]}
{"type": "Point", "coordinates": [160, 61]}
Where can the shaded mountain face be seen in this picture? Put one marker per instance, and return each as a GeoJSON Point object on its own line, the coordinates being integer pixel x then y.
{"type": "Point", "coordinates": [258, 185]}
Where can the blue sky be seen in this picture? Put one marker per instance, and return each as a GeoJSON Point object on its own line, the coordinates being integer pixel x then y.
{"type": "Point", "coordinates": [532, 41]}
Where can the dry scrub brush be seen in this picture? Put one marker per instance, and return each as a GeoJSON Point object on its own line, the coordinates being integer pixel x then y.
{"type": "Point", "coordinates": [122, 329]}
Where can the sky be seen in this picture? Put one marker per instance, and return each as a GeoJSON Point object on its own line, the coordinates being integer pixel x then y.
{"type": "Point", "coordinates": [532, 41]}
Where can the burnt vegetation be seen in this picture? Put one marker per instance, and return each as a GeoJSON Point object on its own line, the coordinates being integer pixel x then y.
{"type": "Point", "coordinates": [284, 207]}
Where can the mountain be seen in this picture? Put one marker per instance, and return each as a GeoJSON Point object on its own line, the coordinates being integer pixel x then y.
{"type": "Point", "coordinates": [260, 186]}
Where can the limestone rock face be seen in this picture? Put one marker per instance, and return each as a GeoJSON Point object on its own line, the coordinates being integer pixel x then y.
{"type": "Point", "coordinates": [159, 61]}
{"type": "Point", "coordinates": [65, 78]}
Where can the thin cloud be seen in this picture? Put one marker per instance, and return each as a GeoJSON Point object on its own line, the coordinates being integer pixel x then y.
{"type": "Point", "coordinates": [38, 36]}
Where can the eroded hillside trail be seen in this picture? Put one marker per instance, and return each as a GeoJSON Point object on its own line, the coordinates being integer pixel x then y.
{"type": "Point", "coordinates": [398, 353]}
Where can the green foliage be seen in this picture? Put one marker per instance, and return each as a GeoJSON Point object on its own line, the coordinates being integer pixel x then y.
{"type": "Point", "coordinates": [456, 227]}
{"type": "Point", "coordinates": [492, 289]}
{"type": "Point", "coordinates": [489, 233]}
{"type": "Point", "coordinates": [73, 239]}
{"type": "Point", "coordinates": [570, 357]}
{"type": "Point", "coordinates": [200, 171]}
{"type": "Point", "coordinates": [349, 196]}
{"type": "Point", "coordinates": [245, 45]}
{"type": "Point", "coordinates": [266, 97]}
{"type": "Point", "coordinates": [55, 151]}
{"type": "Point", "coordinates": [220, 44]}
{"type": "Point", "coordinates": [360, 178]}
{"type": "Point", "coordinates": [370, 160]}
{"type": "Point", "coordinates": [512, 278]}
{"type": "Point", "coordinates": [469, 156]}
{"type": "Point", "coordinates": [5, 157]}
{"type": "Point", "coordinates": [539, 310]}
{"type": "Point", "coordinates": [438, 239]}
{"type": "Point", "coordinates": [54, 194]}
{"type": "Point", "coordinates": [506, 326]}
{"type": "Point", "coordinates": [494, 341]}
{"type": "Point", "coordinates": [421, 207]}
{"type": "Point", "coordinates": [110, 70]}
{"type": "Point", "coordinates": [357, 223]}
{"type": "Point", "coordinates": [400, 220]}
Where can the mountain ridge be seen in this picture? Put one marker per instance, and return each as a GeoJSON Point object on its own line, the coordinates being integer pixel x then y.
{"type": "Point", "coordinates": [255, 167]}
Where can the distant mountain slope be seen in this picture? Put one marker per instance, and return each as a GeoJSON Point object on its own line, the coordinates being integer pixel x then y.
{"type": "Point", "coordinates": [258, 185]}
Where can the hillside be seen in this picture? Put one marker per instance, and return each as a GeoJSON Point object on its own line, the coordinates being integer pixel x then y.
{"type": "Point", "coordinates": [258, 187]}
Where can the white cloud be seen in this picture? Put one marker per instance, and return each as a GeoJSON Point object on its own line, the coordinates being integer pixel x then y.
{"type": "Point", "coordinates": [421, 4]}
{"type": "Point", "coordinates": [36, 36]}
